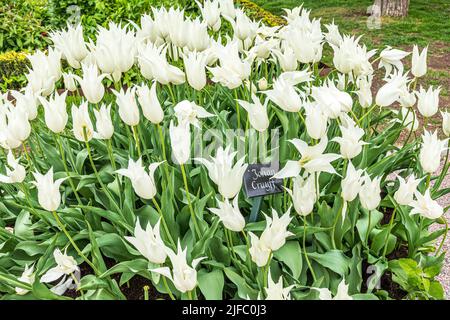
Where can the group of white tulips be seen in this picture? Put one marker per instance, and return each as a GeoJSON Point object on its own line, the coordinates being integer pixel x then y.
{"type": "Point", "coordinates": [140, 198]}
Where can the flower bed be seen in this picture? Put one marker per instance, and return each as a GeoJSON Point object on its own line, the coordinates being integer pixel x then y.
{"type": "Point", "coordinates": [127, 165]}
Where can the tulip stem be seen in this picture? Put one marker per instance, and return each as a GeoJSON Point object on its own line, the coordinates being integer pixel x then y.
{"type": "Point", "coordinates": [390, 229]}
{"type": "Point", "coordinates": [443, 238]}
{"type": "Point", "coordinates": [238, 116]}
{"type": "Point", "coordinates": [190, 295]}
{"type": "Point", "coordinates": [113, 165]}
{"type": "Point", "coordinates": [368, 229]}
{"type": "Point", "coordinates": [63, 156]}
{"type": "Point", "coordinates": [166, 228]}
{"type": "Point", "coordinates": [136, 140]}
{"type": "Point", "coordinates": [63, 228]}
{"type": "Point", "coordinates": [27, 195]}
{"type": "Point", "coordinates": [444, 170]}
{"type": "Point", "coordinates": [230, 243]}
{"type": "Point", "coordinates": [266, 270]}
{"type": "Point", "coordinates": [427, 185]}
{"type": "Point", "coordinates": [305, 253]}
{"type": "Point", "coordinates": [105, 190]}
{"type": "Point", "coordinates": [163, 147]}
{"type": "Point", "coordinates": [335, 223]}
{"type": "Point", "coordinates": [174, 101]}
{"type": "Point", "coordinates": [169, 292]}
{"type": "Point", "coordinates": [366, 114]}
{"type": "Point", "coordinates": [188, 196]}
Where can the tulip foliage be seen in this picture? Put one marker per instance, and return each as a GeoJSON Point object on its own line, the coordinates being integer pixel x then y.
{"type": "Point", "coordinates": [102, 179]}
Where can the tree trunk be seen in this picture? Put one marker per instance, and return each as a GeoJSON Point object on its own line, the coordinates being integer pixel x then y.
{"type": "Point", "coordinates": [393, 8]}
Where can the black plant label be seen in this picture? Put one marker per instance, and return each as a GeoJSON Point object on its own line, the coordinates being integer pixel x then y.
{"type": "Point", "coordinates": [258, 180]}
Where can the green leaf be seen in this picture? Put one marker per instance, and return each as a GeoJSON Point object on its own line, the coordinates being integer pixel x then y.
{"type": "Point", "coordinates": [291, 255]}
{"type": "Point", "coordinates": [335, 260]}
{"type": "Point", "coordinates": [211, 284]}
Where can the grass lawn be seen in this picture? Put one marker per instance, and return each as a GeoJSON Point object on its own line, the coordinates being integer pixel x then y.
{"type": "Point", "coordinates": [428, 23]}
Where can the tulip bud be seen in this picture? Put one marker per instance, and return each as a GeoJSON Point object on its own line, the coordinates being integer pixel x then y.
{"type": "Point", "coordinates": [419, 62]}
{"type": "Point", "coordinates": [180, 139]}
{"type": "Point", "coordinates": [49, 196]}
{"type": "Point", "coordinates": [369, 194]}
{"type": "Point", "coordinates": [262, 84]}
{"type": "Point", "coordinates": [428, 101]}
{"type": "Point", "coordinates": [151, 108]}
{"type": "Point", "coordinates": [316, 121]}
{"type": "Point", "coordinates": [55, 112]}
{"type": "Point", "coordinates": [259, 252]}
{"type": "Point", "coordinates": [230, 215]}
{"type": "Point", "coordinates": [128, 108]}
{"type": "Point", "coordinates": [303, 195]}
{"type": "Point", "coordinates": [446, 123]}
{"type": "Point", "coordinates": [352, 183]}
{"type": "Point", "coordinates": [82, 125]}
{"type": "Point", "coordinates": [104, 125]}
{"type": "Point", "coordinates": [143, 183]}
{"type": "Point", "coordinates": [69, 81]}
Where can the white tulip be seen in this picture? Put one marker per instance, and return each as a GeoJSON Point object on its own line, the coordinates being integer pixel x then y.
{"type": "Point", "coordinates": [405, 193]}
{"type": "Point", "coordinates": [351, 57]}
{"type": "Point", "coordinates": [189, 112]}
{"type": "Point", "coordinates": [426, 206]}
{"type": "Point", "coordinates": [369, 195]}
{"type": "Point", "coordinates": [15, 172]}
{"type": "Point", "coordinates": [47, 68]}
{"type": "Point", "coordinates": [419, 62]}
{"type": "Point", "coordinates": [195, 64]}
{"type": "Point", "coordinates": [183, 276]}
{"type": "Point", "coordinates": [275, 291]}
{"type": "Point", "coordinates": [430, 151]}
{"type": "Point", "coordinates": [210, 13]}
{"type": "Point", "coordinates": [143, 183]}
{"type": "Point", "coordinates": [227, 8]}
{"type": "Point", "coordinates": [275, 234]}
{"type": "Point", "coordinates": [259, 252]}
{"type": "Point", "coordinates": [315, 120]}
{"type": "Point", "coordinates": [286, 59]}
{"type": "Point", "coordinates": [148, 99]}
{"type": "Point", "coordinates": [71, 44]}
{"type": "Point", "coordinates": [333, 36]}
{"type": "Point", "coordinates": [69, 81]}
{"type": "Point", "coordinates": [391, 90]}
{"type": "Point", "coordinates": [390, 58]}
{"type": "Point", "coordinates": [83, 129]}
{"type": "Point", "coordinates": [49, 196]}
{"type": "Point", "coordinates": [331, 100]}
{"type": "Point", "coordinates": [28, 101]}
{"type": "Point", "coordinates": [428, 101]}
{"type": "Point", "coordinates": [180, 139]}
{"type": "Point", "coordinates": [149, 242]}
{"type": "Point", "coordinates": [446, 123]}
{"type": "Point", "coordinates": [55, 112]}
{"type": "Point", "coordinates": [221, 171]}
{"type": "Point", "coordinates": [284, 95]}
{"type": "Point", "coordinates": [128, 108]}
{"type": "Point", "coordinates": [407, 99]}
{"type": "Point", "coordinates": [341, 294]}
{"type": "Point", "coordinates": [262, 84]}
{"type": "Point", "coordinates": [312, 159]}
{"type": "Point", "coordinates": [243, 27]}
{"type": "Point", "coordinates": [229, 214]}
{"type": "Point", "coordinates": [352, 183]}
{"type": "Point", "coordinates": [257, 113]}
{"type": "Point", "coordinates": [104, 125]}
{"type": "Point", "coordinates": [18, 125]}
{"type": "Point", "coordinates": [350, 142]}
{"type": "Point", "coordinates": [303, 194]}
{"type": "Point", "coordinates": [364, 92]}
{"type": "Point", "coordinates": [28, 276]}
{"type": "Point", "coordinates": [91, 83]}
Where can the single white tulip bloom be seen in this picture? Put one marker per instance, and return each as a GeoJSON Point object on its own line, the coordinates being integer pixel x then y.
{"type": "Point", "coordinates": [303, 195]}
{"type": "Point", "coordinates": [391, 58]}
{"type": "Point", "coordinates": [352, 183]}
{"type": "Point", "coordinates": [446, 123]}
{"type": "Point", "coordinates": [229, 214]}
{"type": "Point", "coordinates": [426, 206]}
{"type": "Point", "coordinates": [15, 172]}
{"type": "Point", "coordinates": [369, 194]}
{"type": "Point", "coordinates": [55, 112]}
{"type": "Point", "coordinates": [428, 101]}
{"type": "Point", "coordinates": [71, 44]}
{"type": "Point", "coordinates": [350, 142]}
{"type": "Point", "coordinates": [284, 95]}
{"type": "Point", "coordinates": [148, 99]}
{"type": "Point", "coordinates": [83, 130]}
{"type": "Point", "coordinates": [316, 120]}
{"type": "Point", "coordinates": [259, 252]}
{"type": "Point", "coordinates": [332, 100]}
{"type": "Point", "coordinates": [405, 193]}
{"type": "Point", "coordinates": [28, 101]}
{"type": "Point", "coordinates": [69, 81]}
{"type": "Point", "coordinates": [430, 151]}
{"type": "Point", "coordinates": [104, 125]}
{"type": "Point", "coordinates": [275, 290]}
{"type": "Point", "coordinates": [275, 234]}
{"type": "Point", "coordinates": [28, 276]}
{"type": "Point", "coordinates": [391, 90]}
{"type": "Point", "coordinates": [128, 108]}
{"type": "Point", "coordinates": [419, 62]}
{"type": "Point", "coordinates": [257, 113]}
{"type": "Point", "coordinates": [180, 139]}
{"type": "Point", "coordinates": [189, 112]}
{"type": "Point", "coordinates": [91, 83]}
{"type": "Point", "coordinates": [195, 69]}
{"type": "Point", "coordinates": [49, 196]}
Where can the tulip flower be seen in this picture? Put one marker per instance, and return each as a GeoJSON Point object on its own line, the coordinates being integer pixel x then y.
{"type": "Point", "coordinates": [71, 44]}
{"type": "Point", "coordinates": [149, 242]}
{"type": "Point", "coordinates": [18, 127]}
{"type": "Point", "coordinates": [303, 194]}
{"type": "Point", "coordinates": [275, 234]}
{"type": "Point", "coordinates": [211, 13]}
{"type": "Point", "coordinates": [189, 112]}
{"type": "Point", "coordinates": [307, 44]}
{"type": "Point", "coordinates": [369, 194]}
{"type": "Point", "coordinates": [446, 123]}
{"type": "Point", "coordinates": [419, 62]}
{"type": "Point", "coordinates": [430, 151]}
{"type": "Point", "coordinates": [352, 183]}
{"type": "Point", "coordinates": [426, 206]}
{"type": "Point", "coordinates": [350, 142]}
{"type": "Point", "coordinates": [55, 112]}
{"type": "Point", "coordinates": [83, 129]}
{"type": "Point", "coordinates": [69, 81]}
{"type": "Point", "coordinates": [364, 92]}
{"type": "Point", "coordinates": [180, 139]}
{"type": "Point", "coordinates": [275, 290]}
{"type": "Point", "coordinates": [128, 108]}
{"type": "Point", "coordinates": [221, 171]}
{"type": "Point", "coordinates": [284, 95]}
{"type": "Point", "coordinates": [331, 99]}
{"type": "Point", "coordinates": [143, 183]}
{"type": "Point", "coordinates": [27, 277]}
{"type": "Point", "coordinates": [40, 83]}
{"type": "Point", "coordinates": [259, 252]}
{"type": "Point", "coordinates": [91, 83]}
{"type": "Point", "coordinates": [183, 276]}
{"type": "Point", "coordinates": [405, 193]}
{"type": "Point", "coordinates": [315, 120]}
{"type": "Point", "coordinates": [151, 108]}
{"type": "Point", "coordinates": [104, 125]}
{"type": "Point", "coordinates": [49, 196]}
{"type": "Point", "coordinates": [202, 40]}
{"type": "Point", "coordinates": [262, 84]}
{"type": "Point", "coordinates": [286, 59]}
{"type": "Point", "coordinates": [195, 64]}
{"type": "Point", "coordinates": [244, 28]}
{"type": "Point", "coordinates": [428, 101]}
{"type": "Point", "coordinates": [257, 113]}
{"type": "Point", "coordinates": [46, 66]}
{"type": "Point", "coordinates": [15, 172]}
{"type": "Point", "coordinates": [312, 159]}
{"type": "Point", "coordinates": [229, 214]}
{"type": "Point", "coordinates": [27, 101]}
{"type": "Point", "coordinates": [227, 8]}
{"type": "Point", "coordinates": [333, 36]}
{"type": "Point", "coordinates": [407, 99]}
{"type": "Point", "coordinates": [350, 56]}
{"type": "Point", "coordinates": [66, 267]}
{"type": "Point", "coordinates": [391, 58]}
{"type": "Point", "coordinates": [341, 294]}
{"type": "Point", "coordinates": [391, 90]}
